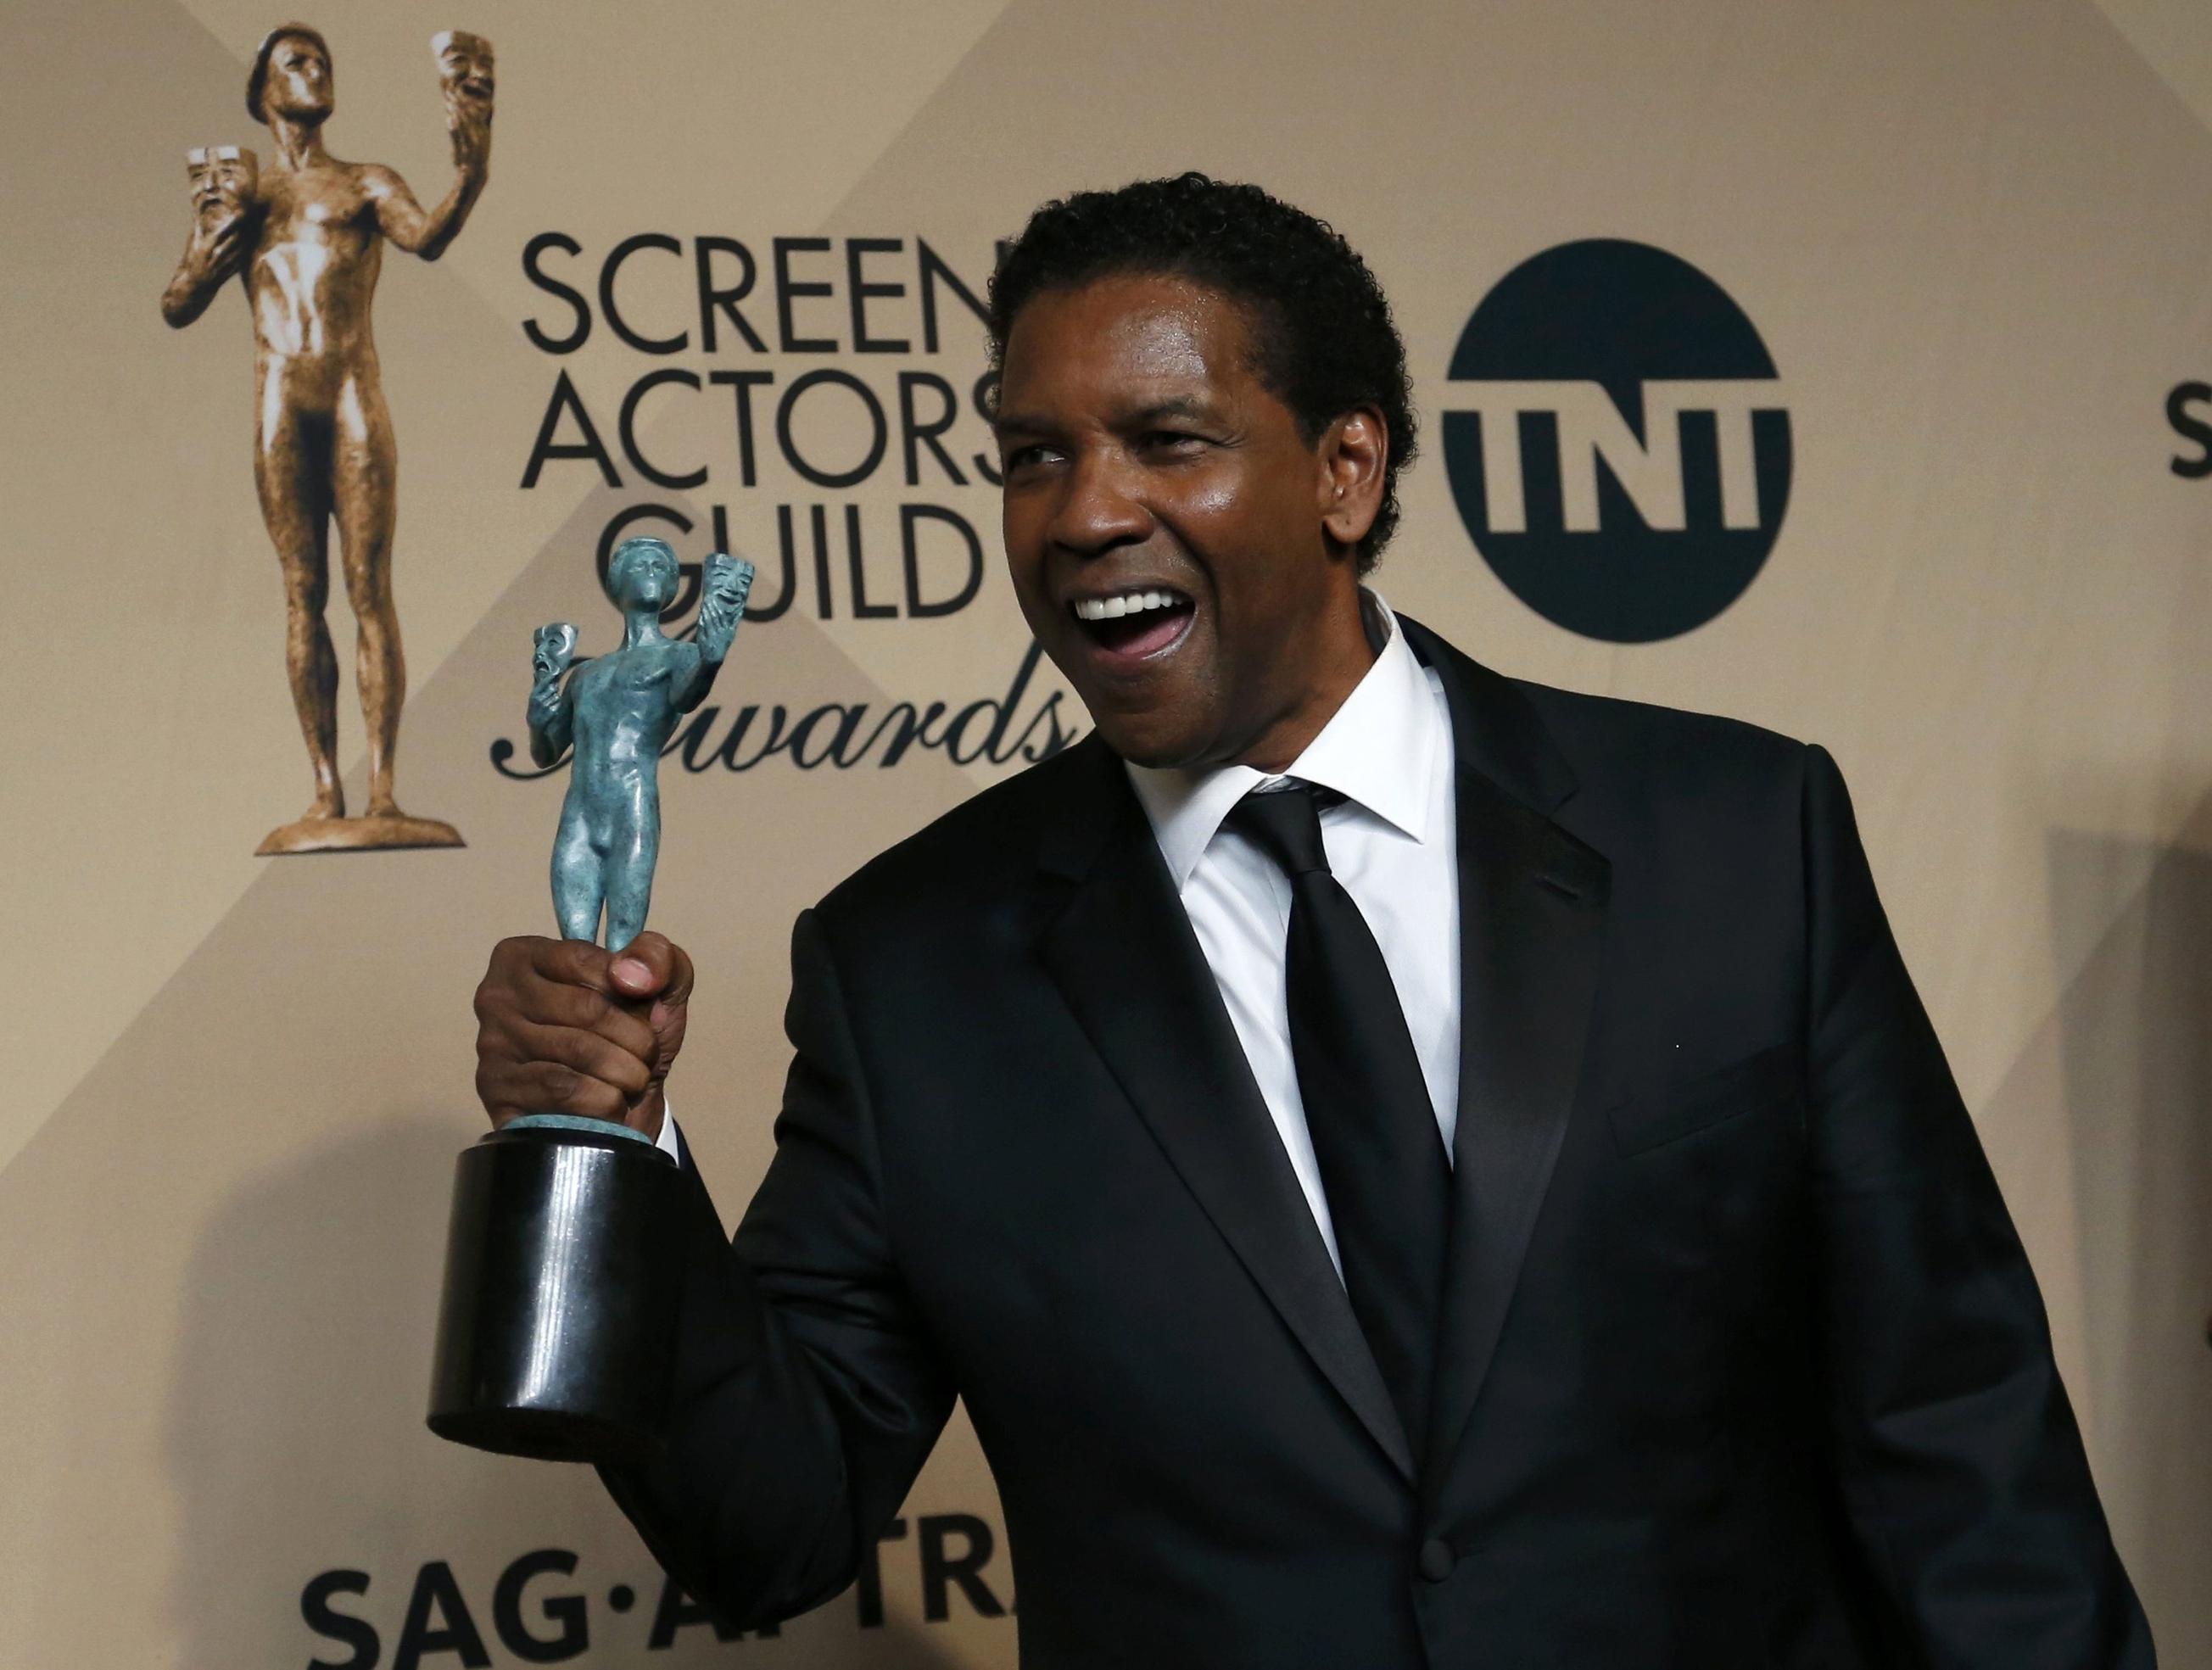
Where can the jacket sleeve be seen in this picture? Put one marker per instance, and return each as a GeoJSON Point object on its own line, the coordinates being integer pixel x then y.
{"type": "Point", "coordinates": [1961, 1467]}
{"type": "Point", "coordinates": [806, 1397]}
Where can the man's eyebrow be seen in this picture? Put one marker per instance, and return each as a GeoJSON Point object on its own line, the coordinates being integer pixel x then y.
{"type": "Point", "coordinates": [1178, 406]}
{"type": "Point", "coordinates": [1173, 405]}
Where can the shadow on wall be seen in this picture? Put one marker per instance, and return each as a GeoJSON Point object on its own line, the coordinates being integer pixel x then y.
{"type": "Point", "coordinates": [2134, 1049]}
{"type": "Point", "coordinates": [295, 1437]}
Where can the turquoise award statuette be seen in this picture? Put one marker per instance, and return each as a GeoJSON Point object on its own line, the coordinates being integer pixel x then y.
{"type": "Point", "coordinates": [562, 1266]}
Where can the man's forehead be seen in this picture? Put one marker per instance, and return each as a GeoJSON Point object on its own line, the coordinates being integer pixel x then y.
{"type": "Point", "coordinates": [1136, 310]}
{"type": "Point", "coordinates": [299, 45]}
{"type": "Point", "coordinates": [1146, 340]}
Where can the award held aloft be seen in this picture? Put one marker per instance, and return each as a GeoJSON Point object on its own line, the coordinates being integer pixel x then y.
{"type": "Point", "coordinates": [556, 1335]}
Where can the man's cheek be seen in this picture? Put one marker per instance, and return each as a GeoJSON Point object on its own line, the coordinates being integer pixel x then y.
{"type": "Point", "coordinates": [1037, 608]}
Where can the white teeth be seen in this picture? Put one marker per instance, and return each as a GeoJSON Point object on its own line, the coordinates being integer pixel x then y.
{"type": "Point", "coordinates": [1127, 603]}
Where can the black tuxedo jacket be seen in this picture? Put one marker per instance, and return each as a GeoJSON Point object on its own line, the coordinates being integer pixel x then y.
{"type": "Point", "coordinates": [1743, 1368]}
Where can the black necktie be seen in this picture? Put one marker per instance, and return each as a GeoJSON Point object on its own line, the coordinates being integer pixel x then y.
{"type": "Point", "coordinates": [1382, 1161]}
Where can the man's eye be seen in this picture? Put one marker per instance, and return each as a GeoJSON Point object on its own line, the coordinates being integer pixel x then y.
{"type": "Point", "coordinates": [1024, 458]}
{"type": "Point", "coordinates": [1170, 440]}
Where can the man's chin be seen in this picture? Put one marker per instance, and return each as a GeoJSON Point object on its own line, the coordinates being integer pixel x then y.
{"type": "Point", "coordinates": [1157, 741]}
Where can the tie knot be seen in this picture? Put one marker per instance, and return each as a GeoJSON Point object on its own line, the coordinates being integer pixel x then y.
{"type": "Point", "coordinates": [1285, 824]}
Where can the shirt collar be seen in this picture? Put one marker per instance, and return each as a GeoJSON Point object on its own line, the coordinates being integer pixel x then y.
{"type": "Point", "coordinates": [1378, 749]}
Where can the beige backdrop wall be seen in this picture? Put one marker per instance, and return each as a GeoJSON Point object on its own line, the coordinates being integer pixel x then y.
{"type": "Point", "coordinates": [1974, 236]}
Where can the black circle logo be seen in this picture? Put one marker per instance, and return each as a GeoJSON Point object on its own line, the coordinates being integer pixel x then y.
{"type": "Point", "coordinates": [1618, 446]}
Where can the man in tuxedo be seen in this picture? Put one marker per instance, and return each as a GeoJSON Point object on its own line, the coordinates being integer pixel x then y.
{"type": "Point", "coordinates": [1406, 1168]}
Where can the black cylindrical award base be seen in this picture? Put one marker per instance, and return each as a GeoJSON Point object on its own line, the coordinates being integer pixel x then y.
{"type": "Point", "coordinates": [563, 1269]}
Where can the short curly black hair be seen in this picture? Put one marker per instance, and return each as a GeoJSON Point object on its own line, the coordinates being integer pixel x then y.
{"type": "Point", "coordinates": [1321, 328]}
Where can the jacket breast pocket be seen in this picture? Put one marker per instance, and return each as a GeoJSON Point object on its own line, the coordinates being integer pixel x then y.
{"type": "Point", "coordinates": [1670, 1111]}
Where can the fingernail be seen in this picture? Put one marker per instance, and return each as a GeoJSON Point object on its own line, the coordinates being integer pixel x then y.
{"type": "Point", "coordinates": [630, 970]}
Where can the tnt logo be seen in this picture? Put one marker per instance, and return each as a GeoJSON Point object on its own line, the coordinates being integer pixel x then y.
{"type": "Point", "coordinates": [1618, 444]}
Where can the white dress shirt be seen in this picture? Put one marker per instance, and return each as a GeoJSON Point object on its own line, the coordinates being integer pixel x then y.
{"type": "Point", "coordinates": [1391, 843]}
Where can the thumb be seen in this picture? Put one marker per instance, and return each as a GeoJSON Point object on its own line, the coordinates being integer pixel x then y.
{"type": "Point", "coordinates": [650, 966]}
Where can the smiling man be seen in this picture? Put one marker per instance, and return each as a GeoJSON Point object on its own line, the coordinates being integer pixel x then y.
{"type": "Point", "coordinates": [1405, 1167]}
{"type": "Point", "coordinates": [1155, 486]}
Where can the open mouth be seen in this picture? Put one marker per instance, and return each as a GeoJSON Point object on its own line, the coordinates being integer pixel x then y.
{"type": "Point", "coordinates": [1136, 621]}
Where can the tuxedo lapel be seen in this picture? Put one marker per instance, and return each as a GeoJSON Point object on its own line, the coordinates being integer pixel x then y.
{"type": "Point", "coordinates": [1125, 958]}
{"type": "Point", "coordinates": [1532, 903]}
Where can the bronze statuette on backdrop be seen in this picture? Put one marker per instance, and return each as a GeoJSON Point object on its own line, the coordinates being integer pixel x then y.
{"type": "Point", "coordinates": [306, 234]}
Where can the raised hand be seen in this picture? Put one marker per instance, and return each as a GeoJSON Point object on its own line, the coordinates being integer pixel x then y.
{"type": "Point", "coordinates": [465, 74]}
{"type": "Point", "coordinates": [553, 647]}
{"type": "Point", "coordinates": [223, 179]}
{"type": "Point", "coordinates": [551, 715]}
{"type": "Point", "coordinates": [226, 206]}
{"type": "Point", "coordinates": [728, 583]}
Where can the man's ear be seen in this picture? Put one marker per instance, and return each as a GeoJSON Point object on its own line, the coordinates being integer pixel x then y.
{"type": "Point", "coordinates": [1355, 456]}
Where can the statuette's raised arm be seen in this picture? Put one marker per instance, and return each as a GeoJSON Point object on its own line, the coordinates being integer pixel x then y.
{"type": "Point", "coordinates": [464, 75]}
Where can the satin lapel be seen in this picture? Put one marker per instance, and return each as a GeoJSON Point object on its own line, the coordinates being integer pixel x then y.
{"type": "Point", "coordinates": [1130, 970]}
{"type": "Point", "coordinates": [1532, 916]}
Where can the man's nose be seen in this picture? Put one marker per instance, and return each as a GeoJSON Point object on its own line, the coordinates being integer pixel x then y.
{"type": "Point", "coordinates": [1101, 508]}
